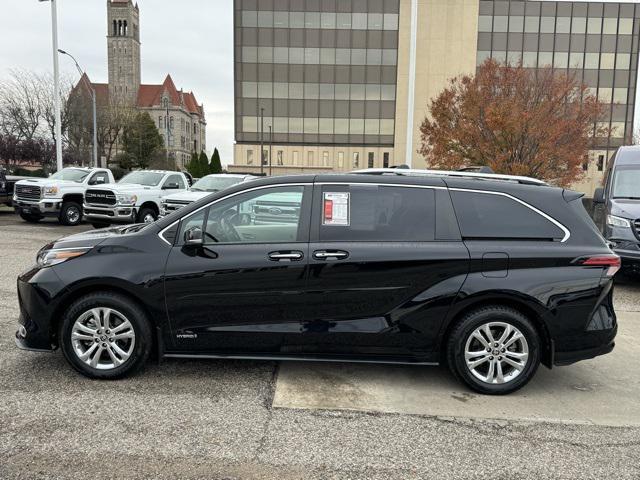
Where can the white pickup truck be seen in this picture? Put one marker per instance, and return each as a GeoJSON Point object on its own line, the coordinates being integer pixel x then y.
{"type": "Point", "coordinates": [136, 198]}
{"type": "Point", "coordinates": [61, 195]}
{"type": "Point", "coordinates": [215, 182]}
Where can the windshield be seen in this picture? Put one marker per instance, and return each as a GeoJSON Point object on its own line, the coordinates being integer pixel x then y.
{"type": "Point", "coordinates": [70, 174]}
{"type": "Point", "coordinates": [149, 179]}
{"type": "Point", "coordinates": [214, 184]}
{"type": "Point", "coordinates": [626, 181]}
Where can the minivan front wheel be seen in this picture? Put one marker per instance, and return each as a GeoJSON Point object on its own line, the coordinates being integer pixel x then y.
{"type": "Point", "coordinates": [105, 335]}
{"type": "Point", "coordinates": [494, 350]}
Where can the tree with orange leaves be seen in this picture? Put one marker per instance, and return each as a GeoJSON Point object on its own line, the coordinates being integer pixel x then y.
{"type": "Point", "coordinates": [537, 123]}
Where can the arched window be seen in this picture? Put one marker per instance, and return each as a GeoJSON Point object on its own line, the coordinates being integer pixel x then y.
{"type": "Point", "coordinates": [120, 27]}
{"type": "Point", "coordinates": [125, 27]}
{"type": "Point", "coordinates": [115, 28]}
{"type": "Point", "coordinates": [165, 103]}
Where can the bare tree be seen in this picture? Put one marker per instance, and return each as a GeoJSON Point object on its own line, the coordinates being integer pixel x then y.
{"type": "Point", "coordinates": [21, 113]}
{"type": "Point", "coordinates": [113, 117]}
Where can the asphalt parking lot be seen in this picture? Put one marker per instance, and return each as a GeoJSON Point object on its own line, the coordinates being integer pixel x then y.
{"type": "Point", "coordinates": [257, 420]}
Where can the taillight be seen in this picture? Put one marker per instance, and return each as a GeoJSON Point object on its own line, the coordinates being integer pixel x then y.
{"type": "Point", "coordinates": [612, 262]}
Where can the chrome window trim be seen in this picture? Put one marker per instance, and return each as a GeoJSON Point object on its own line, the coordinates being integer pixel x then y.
{"type": "Point", "coordinates": [301, 184]}
{"type": "Point", "coordinates": [565, 230]}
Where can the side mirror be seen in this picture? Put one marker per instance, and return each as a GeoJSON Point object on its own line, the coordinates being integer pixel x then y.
{"type": "Point", "coordinates": [598, 195]}
{"type": "Point", "coordinates": [171, 186]}
{"type": "Point", "coordinates": [193, 237]}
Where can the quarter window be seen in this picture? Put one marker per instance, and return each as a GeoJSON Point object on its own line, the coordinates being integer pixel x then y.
{"type": "Point", "coordinates": [377, 213]}
{"type": "Point", "coordinates": [492, 216]}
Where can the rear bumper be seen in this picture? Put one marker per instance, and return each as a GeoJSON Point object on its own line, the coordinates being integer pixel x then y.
{"type": "Point", "coordinates": [115, 214]}
{"type": "Point", "coordinates": [567, 358]}
{"type": "Point", "coordinates": [43, 208]}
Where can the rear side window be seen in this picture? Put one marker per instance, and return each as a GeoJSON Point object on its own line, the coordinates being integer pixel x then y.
{"type": "Point", "coordinates": [377, 213]}
{"type": "Point", "coordinates": [485, 215]}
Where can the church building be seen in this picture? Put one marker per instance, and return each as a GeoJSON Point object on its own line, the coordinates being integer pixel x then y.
{"type": "Point", "coordinates": [178, 115]}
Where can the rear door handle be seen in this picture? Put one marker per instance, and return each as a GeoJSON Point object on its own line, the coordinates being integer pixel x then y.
{"type": "Point", "coordinates": [330, 254]}
{"type": "Point", "coordinates": [292, 256]}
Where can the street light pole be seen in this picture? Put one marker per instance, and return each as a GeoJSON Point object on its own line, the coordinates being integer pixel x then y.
{"type": "Point", "coordinates": [93, 101]}
{"type": "Point", "coordinates": [262, 141]}
{"type": "Point", "coordinates": [56, 83]}
{"type": "Point", "coordinates": [270, 144]}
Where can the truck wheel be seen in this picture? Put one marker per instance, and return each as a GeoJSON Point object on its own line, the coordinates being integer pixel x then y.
{"type": "Point", "coordinates": [100, 224]}
{"type": "Point", "coordinates": [494, 350]}
{"type": "Point", "coordinates": [105, 335]}
{"type": "Point", "coordinates": [30, 218]}
{"type": "Point", "coordinates": [147, 215]}
{"type": "Point", "coordinates": [70, 214]}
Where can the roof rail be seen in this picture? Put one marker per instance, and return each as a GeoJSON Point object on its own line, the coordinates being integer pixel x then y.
{"type": "Point", "coordinates": [448, 173]}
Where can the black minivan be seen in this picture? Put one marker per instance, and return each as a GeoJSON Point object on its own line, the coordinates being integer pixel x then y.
{"type": "Point", "coordinates": [489, 274]}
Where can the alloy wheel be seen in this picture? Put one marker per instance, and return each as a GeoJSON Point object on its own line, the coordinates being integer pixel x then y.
{"type": "Point", "coordinates": [148, 218]}
{"type": "Point", "coordinates": [73, 215]}
{"type": "Point", "coordinates": [496, 352]}
{"type": "Point", "coordinates": [103, 338]}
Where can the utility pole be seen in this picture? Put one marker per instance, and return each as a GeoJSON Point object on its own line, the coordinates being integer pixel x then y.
{"type": "Point", "coordinates": [262, 141]}
{"type": "Point", "coordinates": [93, 99]}
{"type": "Point", "coordinates": [412, 83]}
{"type": "Point", "coordinates": [270, 145]}
{"type": "Point", "coordinates": [56, 83]}
{"type": "Point", "coordinates": [168, 130]}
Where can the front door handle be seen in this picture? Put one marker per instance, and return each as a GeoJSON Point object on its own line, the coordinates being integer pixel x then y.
{"type": "Point", "coordinates": [292, 256]}
{"type": "Point", "coordinates": [330, 254]}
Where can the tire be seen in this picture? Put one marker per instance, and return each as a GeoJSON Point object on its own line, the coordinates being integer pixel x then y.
{"type": "Point", "coordinates": [484, 378]}
{"type": "Point", "coordinates": [100, 224]}
{"type": "Point", "coordinates": [146, 213]}
{"type": "Point", "coordinates": [70, 214]}
{"type": "Point", "coordinates": [122, 310]}
{"type": "Point", "coordinates": [30, 218]}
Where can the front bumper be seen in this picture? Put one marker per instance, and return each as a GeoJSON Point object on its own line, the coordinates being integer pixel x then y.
{"type": "Point", "coordinates": [48, 207]}
{"type": "Point", "coordinates": [36, 289]}
{"type": "Point", "coordinates": [110, 214]}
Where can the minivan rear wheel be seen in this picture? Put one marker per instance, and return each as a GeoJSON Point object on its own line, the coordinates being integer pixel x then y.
{"type": "Point", "coordinates": [494, 350]}
{"type": "Point", "coordinates": [105, 335]}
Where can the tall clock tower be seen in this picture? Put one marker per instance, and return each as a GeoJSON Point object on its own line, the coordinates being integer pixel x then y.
{"type": "Point", "coordinates": [123, 43]}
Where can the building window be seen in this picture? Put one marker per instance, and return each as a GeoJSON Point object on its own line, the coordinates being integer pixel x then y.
{"type": "Point", "coordinates": [279, 157]}
{"type": "Point", "coordinates": [585, 166]}
{"type": "Point", "coordinates": [265, 156]}
{"type": "Point", "coordinates": [249, 157]}
{"type": "Point", "coordinates": [370, 160]}
{"type": "Point", "coordinates": [325, 159]}
{"type": "Point", "coordinates": [310, 160]}
{"type": "Point", "coordinates": [160, 121]}
{"type": "Point", "coordinates": [385, 160]}
{"type": "Point", "coordinates": [600, 163]}
{"type": "Point", "coordinates": [356, 159]}
{"type": "Point", "coordinates": [295, 160]}
{"type": "Point", "coordinates": [340, 159]}
{"type": "Point", "coordinates": [171, 123]}
{"type": "Point", "coordinates": [165, 103]}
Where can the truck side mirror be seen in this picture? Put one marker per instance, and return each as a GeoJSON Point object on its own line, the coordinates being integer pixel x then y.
{"type": "Point", "coordinates": [598, 195]}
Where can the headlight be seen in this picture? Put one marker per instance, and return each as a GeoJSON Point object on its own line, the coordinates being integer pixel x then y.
{"type": "Point", "coordinates": [614, 221]}
{"type": "Point", "coordinates": [47, 258]}
{"type": "Point", "coordinates": [127, 199]}
{"type": "Point", "coordinates": [50, 191]}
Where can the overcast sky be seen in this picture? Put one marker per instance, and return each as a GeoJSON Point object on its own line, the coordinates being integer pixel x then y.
{"type": "Point", "coordinates": [191, 39]}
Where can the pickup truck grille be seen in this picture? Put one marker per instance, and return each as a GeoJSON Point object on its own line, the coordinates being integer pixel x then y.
{"type": "Point", "coordinates": [276, 212]}
{"type": "Point", "coordinates": [100, 197]}
{"type": "Point", "coordinates": [28, 192]}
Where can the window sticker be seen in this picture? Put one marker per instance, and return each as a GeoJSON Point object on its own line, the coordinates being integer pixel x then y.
{"type": "Point", "coordinates": [336, 206]}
